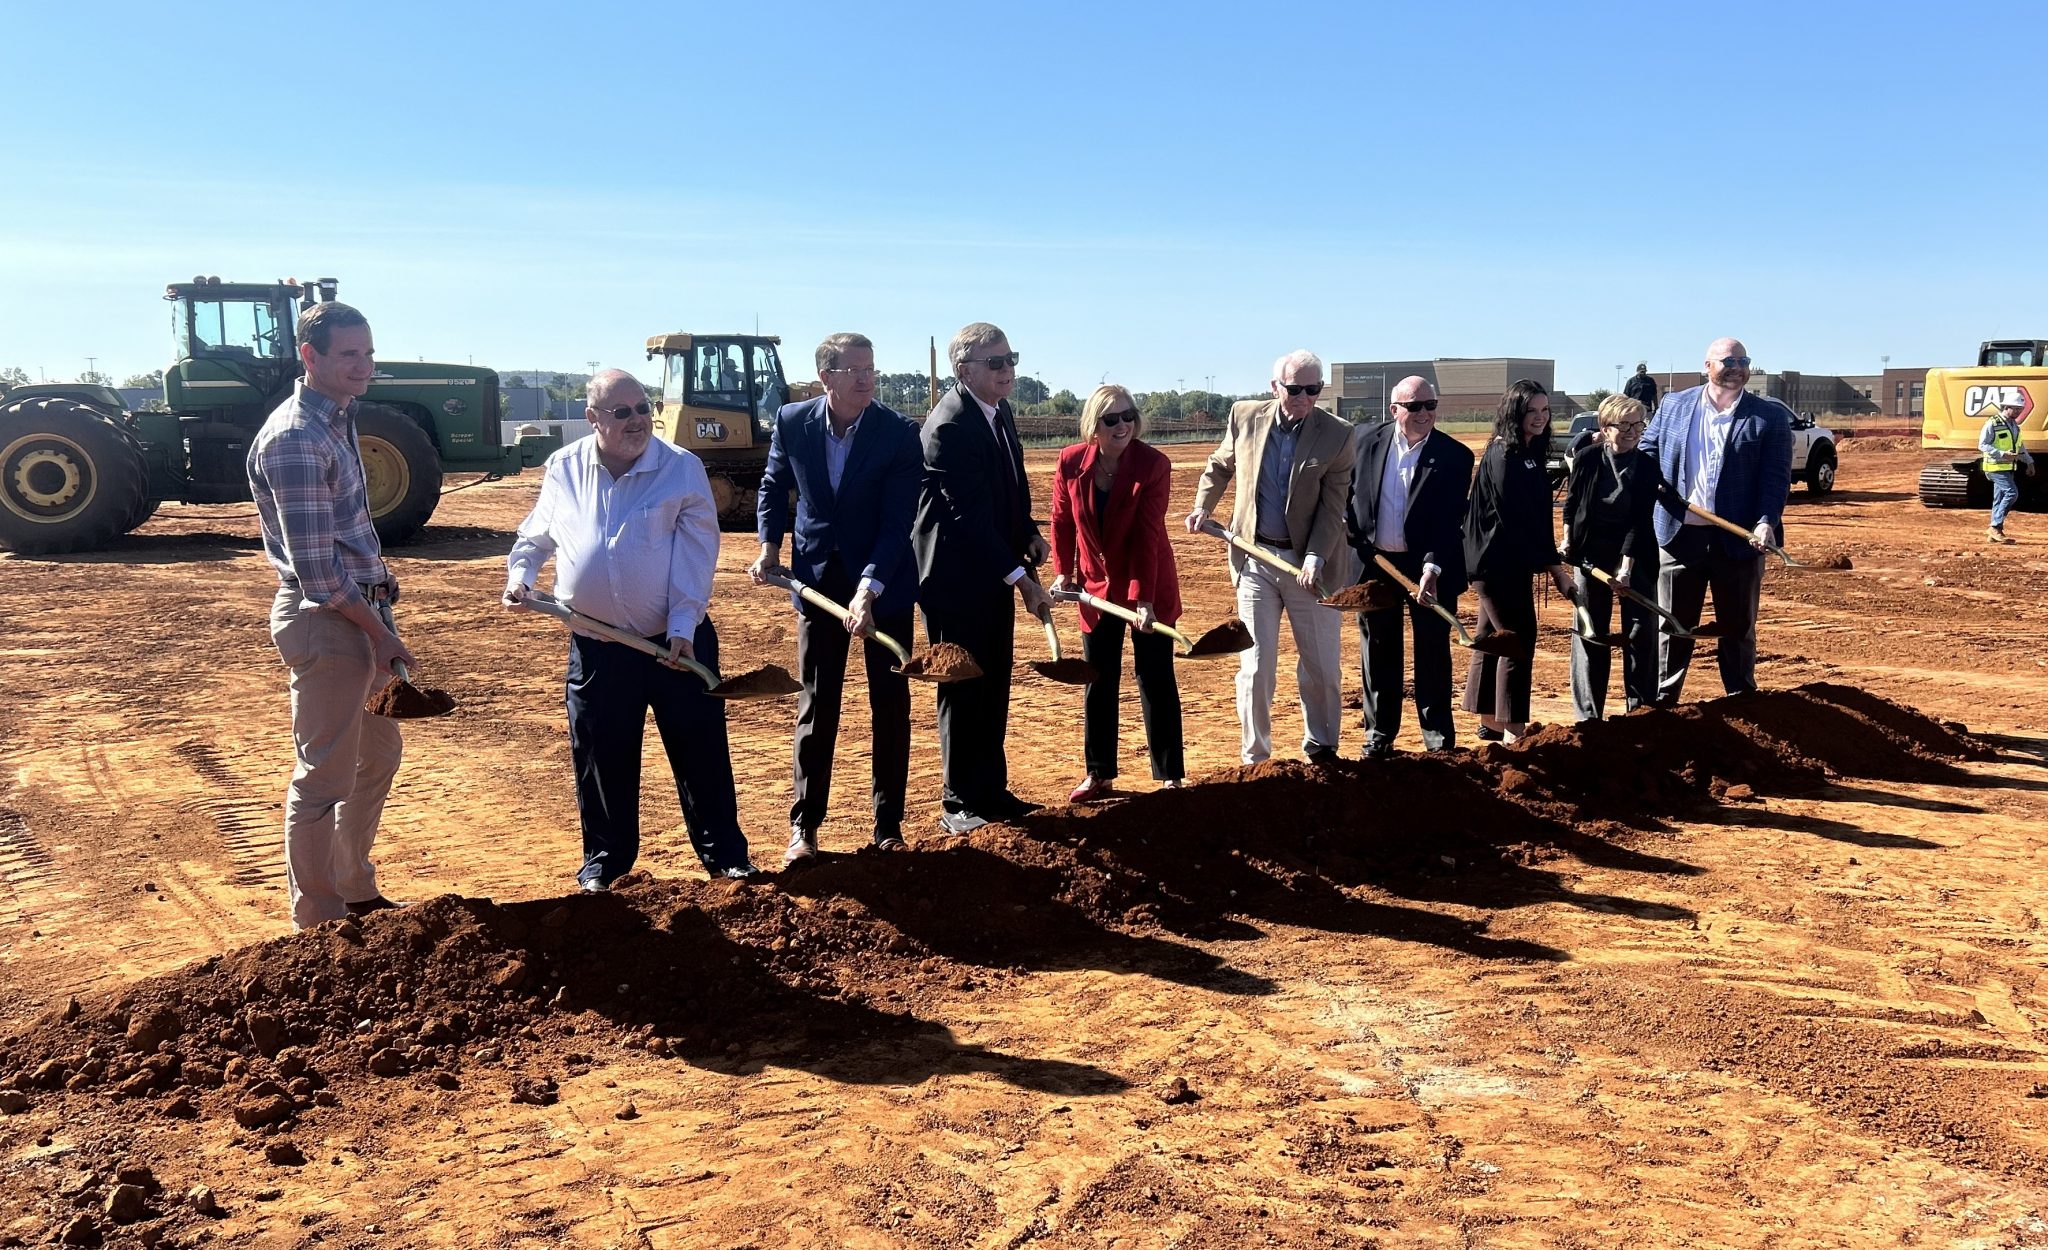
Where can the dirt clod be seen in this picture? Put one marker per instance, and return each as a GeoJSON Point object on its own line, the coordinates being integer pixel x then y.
{"type": "Point", "coordinates": [203, 1200]}
{"type": "Point", "coordinates": [401, 700]}
{"type": "Point", "coordinates": [940, 662]}
{"type": "Point", "coordinates": [283, 1152]}
{"type": "Point", "coordinates": [125, 1204]}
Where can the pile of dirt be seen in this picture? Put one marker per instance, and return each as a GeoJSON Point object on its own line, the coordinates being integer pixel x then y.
{"type": "Point", "coordinates": [1879, 442]}
{"type": "Point", "coordinates": [1828, 559]}
{"type": "Point", "coordinates": [942, 661]}
{"type": "Point", "coordinates": [770, 681]}
{"type": "Point", "coordinates": [1066, 671]}
{"type": "Point", "coordinates": [401, 700]}
{"type": "Point", "coordinates": [1372, 596]}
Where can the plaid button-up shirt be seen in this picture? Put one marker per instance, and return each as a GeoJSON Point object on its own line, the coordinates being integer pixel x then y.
{"type": "Point", "coordinates": [306, 474]}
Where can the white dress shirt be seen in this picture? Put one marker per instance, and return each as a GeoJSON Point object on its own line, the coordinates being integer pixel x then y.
{"type": "Point", "coordinates": [1706, 446]}
{"type": "Point", "coordinates": [1390, 533]}
{"type": "Point", "coordinates": [636, 551]}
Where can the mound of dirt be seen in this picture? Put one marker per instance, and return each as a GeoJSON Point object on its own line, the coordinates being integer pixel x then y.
{"type": "Point", "coordinates": [942, 661]}
{"type": "Point", "coordinates": [1880, 442]}
{"type": "Point", "coordinates": [401, 700]}
{"type": "Point", "coordinates": [1829, 559]}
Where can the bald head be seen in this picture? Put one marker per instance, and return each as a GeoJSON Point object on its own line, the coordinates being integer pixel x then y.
{"type": "Point", "coordinates": [1417, 421]}
{"type": "Point", "coordinates": [1727, 365]}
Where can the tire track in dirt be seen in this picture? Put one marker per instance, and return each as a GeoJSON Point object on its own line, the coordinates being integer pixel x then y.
{"type": "Point", "coordinates": [251, 829]}
{"type": "Point", "coordinates": [25, 867]}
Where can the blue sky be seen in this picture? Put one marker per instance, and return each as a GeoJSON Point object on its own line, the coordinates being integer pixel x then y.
{"type": "Point", "coordinates": [1148, 192]}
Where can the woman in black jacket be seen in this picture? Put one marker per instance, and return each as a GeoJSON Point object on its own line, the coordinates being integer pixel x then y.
{"type": "Point", "coordinates": [1608, 523]}
{"type": "Point", "coordinates": [1509, 539]}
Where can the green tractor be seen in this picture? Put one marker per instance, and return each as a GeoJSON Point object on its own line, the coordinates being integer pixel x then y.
{"type": "Point", "coordinates": [78, 469]}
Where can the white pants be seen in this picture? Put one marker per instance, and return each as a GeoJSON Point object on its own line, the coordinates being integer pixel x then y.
{"type": "Point", "coordinates": [1262, 593]}
{"type": "Point", "coordinates": [346, 759]}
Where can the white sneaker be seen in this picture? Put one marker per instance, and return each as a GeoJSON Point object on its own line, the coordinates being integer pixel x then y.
{"type": "Point", "coordinates": [803, 844]}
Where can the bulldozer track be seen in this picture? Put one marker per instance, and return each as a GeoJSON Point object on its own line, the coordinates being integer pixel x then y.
{"type": "Point", "coordinates": [24, 865]}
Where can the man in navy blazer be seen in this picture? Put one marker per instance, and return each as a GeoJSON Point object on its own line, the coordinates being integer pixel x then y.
{"type": "Point", "coordinates": [855, 466]}
{"type": "Point", "coordinates": [1408, 486]}
{"type": "Point", "coordinates": [1730, 452]}
{"type": "Point", "coordinates": [976, 547]}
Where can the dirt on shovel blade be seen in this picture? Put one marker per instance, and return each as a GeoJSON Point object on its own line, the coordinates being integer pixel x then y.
{"type": "Point", "coordinates": [941, 662]}
{"type": "Point", "coordinates": [1069, 672]}
{"type": "Point", "coordinates": [770, 681]}
{"type": "Point", "coordinates": [1502, 643]}
{"type": "Point", "coordinates": [401, 700]}
{"type": "Point", "coordinates": [1229, 638]}
{"type": "Point", "coordinates": [1365, 597]}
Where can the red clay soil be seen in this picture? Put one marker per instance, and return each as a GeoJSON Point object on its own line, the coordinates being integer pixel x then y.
{"type": "Point", "coordinates": [941, 662]}
{"type": "Point", "coordinates": [1371, 596]}
{"type": "Point", "coordinates": [401, 700]}
{"type": "Point", "coordinates": [1066, 671]}
{"type": "Point", "coordinates": [770, 681]}
{"type": "Point", "coordinates": [1229, 638]}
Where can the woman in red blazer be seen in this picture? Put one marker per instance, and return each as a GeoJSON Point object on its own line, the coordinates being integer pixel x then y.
{"type": "Point", "coordinates": [1109, 499]}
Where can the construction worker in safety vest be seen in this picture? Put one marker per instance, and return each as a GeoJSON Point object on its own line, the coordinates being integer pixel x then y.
{"type": "Point", "coordinates": [2004, 453]}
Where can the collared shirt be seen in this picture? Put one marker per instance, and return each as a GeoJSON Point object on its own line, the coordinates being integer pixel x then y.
{"type": "Point", "coordinates": [838, 448]}
{"type": "Point", "coordinates": [636, 551]}
{"type": "Point", "coordinates": [306, 474]}
{"type": "Point", "coordinates": [995, 427]}
{"type": "Point", "coordinates": [1276, 470]}
{"type": "Point", "coordinates": [1706, 446]}
{"type": "Point", "coordinates": [1391, 532]}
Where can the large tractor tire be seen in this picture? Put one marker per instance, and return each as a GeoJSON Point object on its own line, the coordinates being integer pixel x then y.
{"type": "Point", "coordinates": [401, 469]}
{"type": "Point", "coordinates": [71, 478]}
{"type": "Point", "coordinates": [1943, 485]}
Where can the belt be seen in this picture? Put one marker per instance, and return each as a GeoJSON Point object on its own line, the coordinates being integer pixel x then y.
{"type": "Point", "coordinates": [1282, 543]}
{"type": "Point", "coordinates": [375, 592]}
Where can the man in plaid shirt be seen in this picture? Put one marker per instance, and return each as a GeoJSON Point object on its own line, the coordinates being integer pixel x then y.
{"type": "Point", "coordinates": [331, 619]}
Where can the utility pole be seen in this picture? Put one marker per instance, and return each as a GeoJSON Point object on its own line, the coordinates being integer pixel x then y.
{"type": "Point", "coordinates": [1617, 379]}
{"type": "Point", "coordinates": [92, 364]}
{"type": "Point", "coordinates": [1180, 411]}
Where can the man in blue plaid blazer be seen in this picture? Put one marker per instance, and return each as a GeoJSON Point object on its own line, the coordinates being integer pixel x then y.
{"type": "Point", "coordinates": [1728, 452]}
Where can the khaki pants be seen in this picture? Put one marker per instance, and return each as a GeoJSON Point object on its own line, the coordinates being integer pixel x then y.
{"type": "Point", "coordinates": [1263, 595]}
{"type": "Point", "coordinates": [346, 759]}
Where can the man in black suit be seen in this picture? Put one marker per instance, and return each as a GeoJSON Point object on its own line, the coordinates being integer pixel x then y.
{"type": "Point", "coordinates": [855, 467]}
{"type": "Point", "coordinates": [975, 540]}
{"type": "Point", "coordinates": [1408, 486]}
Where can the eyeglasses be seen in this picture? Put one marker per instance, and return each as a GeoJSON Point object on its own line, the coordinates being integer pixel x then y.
{"type": "Point", "coordinates": [1114, 419]}
{"type": "Point", "coordinates": [621, 413]}
{"type": "Point", "coordinates": [854, 373]}
{"type": "Point", "coordinates": [1008, 360]}
{"type": "Point", "coordinates": [1305, 388]}
{"type": "Point", "coordinates": [1734, 362]}
{"type": "Point", "coordinates": [1419, 405]}
{"type": "Point", "coordinates": [1627, 427]}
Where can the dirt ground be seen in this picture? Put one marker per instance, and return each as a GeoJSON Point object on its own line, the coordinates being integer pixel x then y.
{"type": "Point", "coordinates": [1755, 972]}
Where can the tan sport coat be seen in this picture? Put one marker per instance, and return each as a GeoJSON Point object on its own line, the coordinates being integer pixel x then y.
{"type": "Point", "coordinates": [1318, 489]}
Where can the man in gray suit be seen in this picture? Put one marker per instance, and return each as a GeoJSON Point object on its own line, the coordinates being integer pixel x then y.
{"type": "Point", "coordinates": [1295, 461]}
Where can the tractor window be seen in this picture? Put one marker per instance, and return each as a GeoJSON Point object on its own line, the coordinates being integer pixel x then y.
{"type": "Point", "coordinates": [768, 387]}
{"type": "Point", "coordinates": [236, 329]}
{"type": "Point", "coordinates": [717, 375]}
{"type": "Point", "coordinates": [2012, 356]}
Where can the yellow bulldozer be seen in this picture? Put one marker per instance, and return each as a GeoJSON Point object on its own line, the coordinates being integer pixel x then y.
{"type": "Point", "coordinates": [720, 393]}
{"type": "Point", "coordinates": [1959, 401]}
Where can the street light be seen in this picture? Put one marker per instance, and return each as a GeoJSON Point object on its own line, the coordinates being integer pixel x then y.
{"type": "Point", "coordinates": [1617, 379]}
{"type": "Point", "coordinates": [1180, 412]}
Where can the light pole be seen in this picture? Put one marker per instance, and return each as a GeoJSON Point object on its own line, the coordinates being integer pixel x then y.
{"type": "Point", "coordinates": [1180, 411]}
{"type": "Point", "coordinates": [1617, 379]}
{"type": "Point", "coordinates": [1884, 365]}
{"type": "Point", "coordinates": [92, 364]}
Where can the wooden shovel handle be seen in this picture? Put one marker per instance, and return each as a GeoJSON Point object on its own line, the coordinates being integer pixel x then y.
{"type": "Point", "coordinates": [1251, 549]}
{"type": "Point", "coordinates": [1733, 528]}
{"type": "Point", "coordinates": [817, 600]}
{"type": "Point", "coordinates": [1415, 593]}
{"type": "Point", "coordinates": [548, 605]}
{"type": "Point", "coordinates": [1126, 614]}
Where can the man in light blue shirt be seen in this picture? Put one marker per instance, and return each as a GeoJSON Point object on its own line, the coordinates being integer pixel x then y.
{"type": "Point", "coordinates": [632, 521]}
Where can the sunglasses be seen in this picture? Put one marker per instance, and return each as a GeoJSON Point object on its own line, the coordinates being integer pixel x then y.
{"type": "Point", "coordinates": [622, 412]}
{"type": "Point", "coordinates": [1113, 419]}
{"type": "Point", "coordinates": [1007, 360]}
{"type": "Point", "coordinates": [1419, 405]}
{"type": "Point", "coordinates": [1734, 362]}
{"type": "Point", "coordinates": [1306, 388]}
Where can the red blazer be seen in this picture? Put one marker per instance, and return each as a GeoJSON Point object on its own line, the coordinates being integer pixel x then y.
{"type": "Point", "coordinates": [1124, 557]}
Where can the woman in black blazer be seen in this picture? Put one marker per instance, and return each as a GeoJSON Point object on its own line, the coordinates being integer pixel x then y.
{"type": "Point", "coordinates": [1509, 539]}
{"type": "Point", "coordinates": [1609, 522]}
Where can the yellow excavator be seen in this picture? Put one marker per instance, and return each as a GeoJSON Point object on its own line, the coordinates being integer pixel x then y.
{"type": "Point", "coordinates": [2008, 371]}
{"type": "Point", "coordinates": [720, 393]}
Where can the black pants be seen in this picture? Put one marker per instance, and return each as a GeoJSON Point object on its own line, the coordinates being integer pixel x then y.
{"type": "Point", "coordinates": [1695, 561]}
{"type": "Point", "coordinates": [611, 687]}
{"type": "Point", "coordinates": [1381, 638]}
{"type": "Point", "coordinates": [974, 715]}
{"type": "Point", "coordinates": [1158, 697]}
{"type": "Point", "coordinates": [1592, 663]}
{"type": "Point", "coordinates": [822, 644]}
{"type": "Point", "coordinates": [1498, 685]}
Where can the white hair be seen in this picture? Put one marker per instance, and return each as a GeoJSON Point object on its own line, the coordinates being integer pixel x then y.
{"type": "Point", "coordinates": [602, 382]}
{"type": "Point", "coordinates": [1296, 360]}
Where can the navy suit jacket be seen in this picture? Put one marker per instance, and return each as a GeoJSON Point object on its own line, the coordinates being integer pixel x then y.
{"type": "Point", "coordinates": [972, 527]}
{"type": "Point", "coordinates": [1756, 469]}
{"type": "Point", "coordinates": [1435, 527]}
{"type": "Point", "coordinates": [865, 524]}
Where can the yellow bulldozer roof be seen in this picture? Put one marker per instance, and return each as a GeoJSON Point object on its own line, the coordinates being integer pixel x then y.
{"type": "Point", "coordinates": [677, 344]}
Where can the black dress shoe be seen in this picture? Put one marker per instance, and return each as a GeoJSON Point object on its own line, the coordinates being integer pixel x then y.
{"type": "Point", "coordinates": [1379, 750]}
{"type": "Point", "coordinates": [1323, 757]}
{"type": "Point", "coordinates": [1010, 807]}
{"type": "Point", "coordinates": [379, 903]}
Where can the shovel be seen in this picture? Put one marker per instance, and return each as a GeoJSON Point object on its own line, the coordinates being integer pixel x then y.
{"type": "Point", "coordinates": [1672, 625]}
{"type": "Point", "coordinates": [941, 662]}
{"type": "Point", "coordinates": [1067, 672]}
{"type": "Point", "coordinates": [401, 700]}
{"type": "Point", "coordinates": [1502, 643]}
{"type": "Point", "coordinates": [1349, 599]}
{"type": "Point", "coordinates": [1228, 638]}
{"type": "Point", "coordinates": [1738, 531]}
{"type": "Point", "coordinates": [766, 682]}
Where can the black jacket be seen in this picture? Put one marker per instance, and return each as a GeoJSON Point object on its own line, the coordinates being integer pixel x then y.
{"type": "Point", "coordinates": [1642, 388]}
{"type": "Point", "coordinates": [1610, 514]}
{"type": "Point", "coordinates": [1508, 531]}
{"type": "Point", "coordinates": [972, 526]}
{"type": "Point", "coordinates": [1436, 502]}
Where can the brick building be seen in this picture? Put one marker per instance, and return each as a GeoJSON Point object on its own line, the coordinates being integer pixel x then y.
{"type": "Point", "coordinates": [1469, 388]}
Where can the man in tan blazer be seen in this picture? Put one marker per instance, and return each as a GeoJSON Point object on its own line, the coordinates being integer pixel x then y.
{"type": "Point", "coordinates": [1293, 464]}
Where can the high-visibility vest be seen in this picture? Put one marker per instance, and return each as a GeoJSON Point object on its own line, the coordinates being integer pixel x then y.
{"type": "Point", "coordinates": [2006, 440]}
